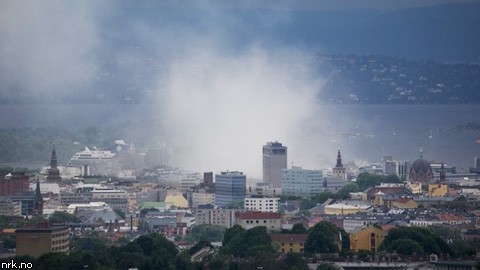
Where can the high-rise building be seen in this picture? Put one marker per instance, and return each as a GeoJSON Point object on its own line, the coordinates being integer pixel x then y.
{"type": "Point", "coordinates": [230, 187]}
{"type": "Point", "coordinates": [274, 161]}
{"type": "Point", "coordinates": [14, 183]}
{"type": "Point", "coordinates": [301, 182]}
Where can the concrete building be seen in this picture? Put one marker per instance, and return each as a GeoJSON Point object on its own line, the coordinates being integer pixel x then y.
{"type": "Point", "coordinates": [9, 207]}
{"type": "Point", "coordinates": [115, 198]}
{"type": "Point", "coordinates": [229, 187]}
{"type": "Point", "coordinates": [274, 161]}
{"type": "Point", "coordinates": [263, 189]}
{"type": "Point", "coordinates": [261, 204]}
{"type": "Point", "coordinates": [14, 183]}
{"type": "Point", "coordinates": [301, 182]}
{"type": "Point", "coordinates": [201, 197]}
{"type": "Point", "coordinates": [344, 208]}
{"type": "Point", "coordinates": [208, 214]}
{"type": "Point", "coordinates": [189, 181]}
{"type": "Point", "coordinates": [38, 241]}
{"type": "Point", "coordinates": [248, 220]}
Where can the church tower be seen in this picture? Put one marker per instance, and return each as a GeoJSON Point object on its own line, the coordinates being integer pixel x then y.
{"type": "Point", "coordinates": [53, 173]}
{"type": "Point", "coordinates": [443, 174]}
{"type": "Point", "coordinates": [38, 201]}
{"type": "Point", "coordinates": [339, 171]}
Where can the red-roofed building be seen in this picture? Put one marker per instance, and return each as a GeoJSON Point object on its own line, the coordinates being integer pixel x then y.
{"type": "Point", "coordinates": [452, 219]}
{"type": "Point", "coordinates": [248, 220]}
{"type": "Point", "coordinates": [289, 242]}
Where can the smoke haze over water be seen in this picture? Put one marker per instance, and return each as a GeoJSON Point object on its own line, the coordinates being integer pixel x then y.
{"type": "Point", "coordinates": [221, 109]}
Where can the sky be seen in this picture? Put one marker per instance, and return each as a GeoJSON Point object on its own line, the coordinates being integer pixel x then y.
{"type": "Point", "coordinates": [218, 108]}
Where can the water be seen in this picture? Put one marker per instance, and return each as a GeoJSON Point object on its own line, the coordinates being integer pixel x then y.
{"type": "Point", "coordinates": [362, 131]}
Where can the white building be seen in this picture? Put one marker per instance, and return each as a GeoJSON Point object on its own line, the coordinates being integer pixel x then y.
{"type": "Point", "coordinates": [263, 189]}
{"type": "Point", "coordinates": [189, 181]}
{"type": "Point", "coordinates": [261, 204]}
{"type": "Point", "coordinates": [301, 182]}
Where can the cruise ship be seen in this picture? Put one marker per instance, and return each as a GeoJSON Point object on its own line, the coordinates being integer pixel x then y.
{"type": "Point", "coordinates": [92, 155]}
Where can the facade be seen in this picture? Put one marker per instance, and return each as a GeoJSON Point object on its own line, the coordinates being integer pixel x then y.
{"type": "Point", "coordinates": [301, 182]}
{"type": "Point", "coordinates": [248, 220]}
{"type": "Point", "coordinates": [201, 197]}
{"type": "Point", "coordinates": [274, 161]}
{"type": "Point", "coordinates": [339, 171]}
{"type": "Point", "coordinates": [53, 173]}
{"type": "Point", "coordinates": [261, 204]}
{"type": "Point", "coordinates": [38, 241]}
{"type": "Point", "coordinates": [229, 187]}
{"type": "Point", "coordinates": [367, 238]}
{"type": "Point", "coordinates": [402, 169]}
{"type": "Point", "coordinates": [347, 209]}
{"type": "Point", "coordinates": [263, 189]}
{"type": "Point", "coordinates": [9, 207]}
{"type": "Point", "coordinates": [116, 199]}
{"type": "Point", "coordinates": [437, 190]}
{"type": "Point", "coordinates": [189, 181]}
{"type": "Point", "coordinates": [289, 242]}
{"type": "Point", "coordinates": [216, 216]}
{"type": "Point", "coordinates": [14, 183]}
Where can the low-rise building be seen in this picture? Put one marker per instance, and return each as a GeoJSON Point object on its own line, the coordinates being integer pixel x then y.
{"type": "Point", "coordinates": [261, 204]}
{"type": "Point", "coordinates": [437, 190]}
{"type": "Point", "coordinates": [208, 214]}
{"type": "Point", "coordinates": [366, 238]}
{"type": "Point", "coordinates": [9, 207]}
{"type": "Point", "coordinates": [248, 220]}
{"type": "Point", "coordinates": [345, 208]}
{"type": "Point", "coordinates": [289, 242]}
{"type": "Point", "coordinates": [38, 241]}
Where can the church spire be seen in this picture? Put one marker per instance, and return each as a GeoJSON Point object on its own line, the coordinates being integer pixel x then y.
{"type": "Point", "coordinates": [53, 159]}
{"type": "Point", "coordinates": [421, 152]}
{"type": "Point", "coordinates": [38, 200]}
{"type": "Point", "coordinates": [339, 160]}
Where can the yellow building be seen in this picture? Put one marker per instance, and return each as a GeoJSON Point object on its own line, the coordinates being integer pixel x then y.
{"type": "Point", "coordinates": [38, 241]}
{"type": "Point", "coordinates": [289, 242]}
{"type": "Point", "coordinates": [366, 238]}
{"type": "Point", "coordinates": [414, 187]}
{"type": "Point", "coordinates": [176, 198]}
{"type": "Point", "coordinates": [403, 203]}
{"type": "Point", "coordinates": [437, 190]}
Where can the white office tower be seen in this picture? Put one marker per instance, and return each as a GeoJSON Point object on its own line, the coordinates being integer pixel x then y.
{"type": "Point", "coordinates": [274, 161]}
{"type": "Point", "coordinates": [303, 183]}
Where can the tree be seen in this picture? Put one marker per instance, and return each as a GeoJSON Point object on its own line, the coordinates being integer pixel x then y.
{"type": "Point", "coordinates": [298, 228]}
{"type": "Point", "coordinates": [425, 242]}
{"type": "Point", "coordinates": [210, 233]}
{"type": "Point", "coordinates": [324, 237]}
{"type": "Point", "coordinates": [344, 192]}
{"type": "Point", "coordinates": [62, 217]}
{"type": "Point", "coordinates": [294, 261]}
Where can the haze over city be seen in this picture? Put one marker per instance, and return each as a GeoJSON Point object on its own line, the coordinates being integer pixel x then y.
{"type": "Point", "coordinates": [240, 134]}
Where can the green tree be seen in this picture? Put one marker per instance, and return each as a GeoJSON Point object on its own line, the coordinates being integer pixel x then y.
{"type": "Point", "coordinates": [210, 233]}
{"type": "Point", "coordinates": [294, 261]}
{"type": "Point", "coordinates": [298, 228]}
{"type": "Point", "coordinates": [426, 243]}
{"type": "Point", "coordinates": [322, 238]}
{"type": "Point", "coordinates": [344, 192]}
{"type": "Point", "coordinates": [62, 217]}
